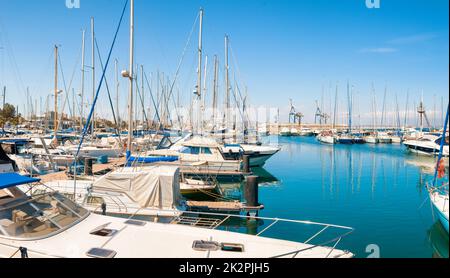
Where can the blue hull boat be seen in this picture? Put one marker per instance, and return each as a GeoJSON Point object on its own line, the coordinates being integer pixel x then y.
{"type": "Point", "coordinates": [346, 141]}
{"type": "Point", "coordinates": [442, 217]}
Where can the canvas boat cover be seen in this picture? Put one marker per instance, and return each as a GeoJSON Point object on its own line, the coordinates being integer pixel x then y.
{"type": "Point", "coordinates": [149, 187]}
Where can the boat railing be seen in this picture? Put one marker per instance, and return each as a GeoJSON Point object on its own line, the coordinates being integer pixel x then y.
{"type": "Point", "coordinates": [216, 221]}
{"type": "Point", "coordinates": [24, 252]}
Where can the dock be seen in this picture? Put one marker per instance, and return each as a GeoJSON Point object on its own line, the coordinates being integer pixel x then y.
{"type": "Point", "coordinates": [101, 169]}
{"type": "Point", "coordinates": [222, 206]}
{"type": "Point", "coordinates": [98, 169]}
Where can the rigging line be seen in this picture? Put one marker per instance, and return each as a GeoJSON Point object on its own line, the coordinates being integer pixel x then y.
{"type": "Point", "coordinates": [88, 122]}
{"type": "Point", "coordinates": [141, 100]}
{"type": "Point", "coordinates": [245, 103]}
{"type": "Point", "coordinates": [107, 89]}
{"type": "Point", "coordinates": [65, 88]}
{"type": "Point", "coordinates": [234, 95]}
{"type": "Point", "coordinates": [68, 89]}
{"type": "Point", "coordinates": [166, 105]}
{"type": "Point", "coordinates": [182, 58]}
{"type": "Point", "coordinates": [235, 62]}
{"type": "Point", "coordinates": [12, 58]}
{"type": "Point", "coordinates": [153, 100]}
{"type": "Point", "coordinates": [441, 148]}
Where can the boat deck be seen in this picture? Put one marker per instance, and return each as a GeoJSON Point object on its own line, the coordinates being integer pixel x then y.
{"type": "Point", "coordinates": [97, 169]}
{"type": "Point", "coordinates": [203, 170]}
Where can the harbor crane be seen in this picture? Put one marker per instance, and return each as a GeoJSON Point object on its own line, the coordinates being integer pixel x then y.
{"type": "Point", "coordinates": [294, 116]}
{"type": "Point", "coordinates": [320, 116]}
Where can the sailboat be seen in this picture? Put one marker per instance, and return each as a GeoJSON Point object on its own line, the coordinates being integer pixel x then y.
{"type": "Point", "coordinates": [328, 136]}
{"type": "Point", "coordinates": [439, 194]}
{"type": "Point", "coordinates": [347, 138]}
{"type": "Point", "coordinates": [372, 137]}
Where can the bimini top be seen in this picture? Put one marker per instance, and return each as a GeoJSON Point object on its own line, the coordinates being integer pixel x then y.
{"type": "Point", "coordinates": [8, 180]}
{"type": "Point", "coordinates": [200, 141]}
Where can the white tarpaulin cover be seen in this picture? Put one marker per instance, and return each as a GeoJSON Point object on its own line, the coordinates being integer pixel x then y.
{"type": "Point", "coordinates": [156, 186]}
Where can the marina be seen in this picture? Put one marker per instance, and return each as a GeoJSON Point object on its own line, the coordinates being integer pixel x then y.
{"type": "Point", "coordinates": [134, 161]}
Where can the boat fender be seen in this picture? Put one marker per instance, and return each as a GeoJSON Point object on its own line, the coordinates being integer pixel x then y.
{"type": "Point", "coordinates": [103, 208]}
{"type": "Point", "coordinates": [441, 169]}
{"type": "Point", "coordinates": [23, 252]}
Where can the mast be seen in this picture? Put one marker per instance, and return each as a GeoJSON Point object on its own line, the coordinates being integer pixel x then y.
{"type": "Point", "coordinates": [383, 112]}
{"type": "Point", "coordinates": [130, 95]}
{"type": "Point", "coordinates": [3, 104]}
{"type": "Point", "coordinates": [116, 71]}
{"type": "Point", "coordinates": [214, 104]}
{"type": "Point", "coordinates": [55, 120]}
{"type": "Point", "coordinates": [4, 97]}
{"type": "Point", "coordinates": [349, 108]}
{"type": "Point", "coordinates": [143, 96]}
{"type": "Point", "coordinates": [93, 73]}
{"type": "Point", "coordinates": [82, 78]}
{"type": "Point", "coordinates": [204, 84]}
{"type": "Point", "coordinates": [406, 109]}
{"type": "Point", "coordinates": [73, 107]}
{"type": "Point", "coordinates": [335, 107]}
{"type": "Point", "coordinates": [227, 82]}
{"type": "Point", "coordinates": [199, 72]}
{"type": "Point", "coordinates": [374, 111]}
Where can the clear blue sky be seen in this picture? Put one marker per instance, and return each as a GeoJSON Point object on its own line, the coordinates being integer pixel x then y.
{"type": "Point", "coordinates": [282, 49]}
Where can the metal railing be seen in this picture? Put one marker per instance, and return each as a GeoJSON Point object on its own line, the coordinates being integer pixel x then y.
{"type": "Point", "coordinates": [222, 218]}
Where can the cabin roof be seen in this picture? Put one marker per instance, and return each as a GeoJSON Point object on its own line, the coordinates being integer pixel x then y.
{"type": "Point", "coordinates": [201, 142]}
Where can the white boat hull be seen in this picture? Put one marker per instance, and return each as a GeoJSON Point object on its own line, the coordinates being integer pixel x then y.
{"type": "Point", "coordinates": [327, 139]}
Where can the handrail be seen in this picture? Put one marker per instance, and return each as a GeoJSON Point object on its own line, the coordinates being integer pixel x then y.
{"type": "Point", "coordinates": [325, 226]}
{"type": "Point", "coordinates": [29, 250]}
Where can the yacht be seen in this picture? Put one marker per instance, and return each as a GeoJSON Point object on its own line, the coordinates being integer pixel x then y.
{"type": "Point", "coordinates": [106, 147]}
{"type": "Point", "coordinates": [371, 138]}
{"type": "Point", "coordinates": [285, 131]}
{"type": "Point", "coordinates": [43, 148]}
{"type": "Point", "coordinates": [346, 139]}
{"type": "Point", "coordinates": [327, 137]}
{"type": "Point", "coordinates": [27, 163]}
{"type": "Point", "coordinates": [294, 132]}
{"type": "Point", "coordinates": [7, 165]}
{"type": "Point", "coordinates": [384, 138]}
{"type": "Point", "coordinates": [427, 145]}
{"type": "Point", "coordinates": [199, 151]}
{"type": "Point", "coordinates": [258, 154]}
{"type": "Point", "coordinates": [306, 132]}
{"type": "Point", "coordinates": [49, 225]}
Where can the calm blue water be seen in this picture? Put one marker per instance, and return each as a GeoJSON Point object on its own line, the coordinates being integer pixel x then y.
{"type": "Point", "coordinates": [377, 190]}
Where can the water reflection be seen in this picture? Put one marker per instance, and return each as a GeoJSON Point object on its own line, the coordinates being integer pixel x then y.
{"type": "Point", "coordinates": [438, 239]}
{"type": "Point", "coordinates": [353, 167]}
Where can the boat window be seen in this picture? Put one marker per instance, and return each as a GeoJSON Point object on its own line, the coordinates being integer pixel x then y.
{"type": "Point", "coordinates": [38, 216]}
{"type": "Point", "coordinates": [185, 150]}
{"type": "Point", "coordinates": [101, 253]}
{"type": "Point", "coordinates": [438, 141]}
{"type": "Point", "coordinates": [104, 232]}
{"type": "Point", "coordinates": [201, 245]}
{"type": "Point", "coordinates": [232, 247]}
{"type": "Point", "coordinates": [190, 150]}
{"type": "Point", "coordinates": [195, 150]}
{"type": "Point", "coordinates": [206, 151]}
